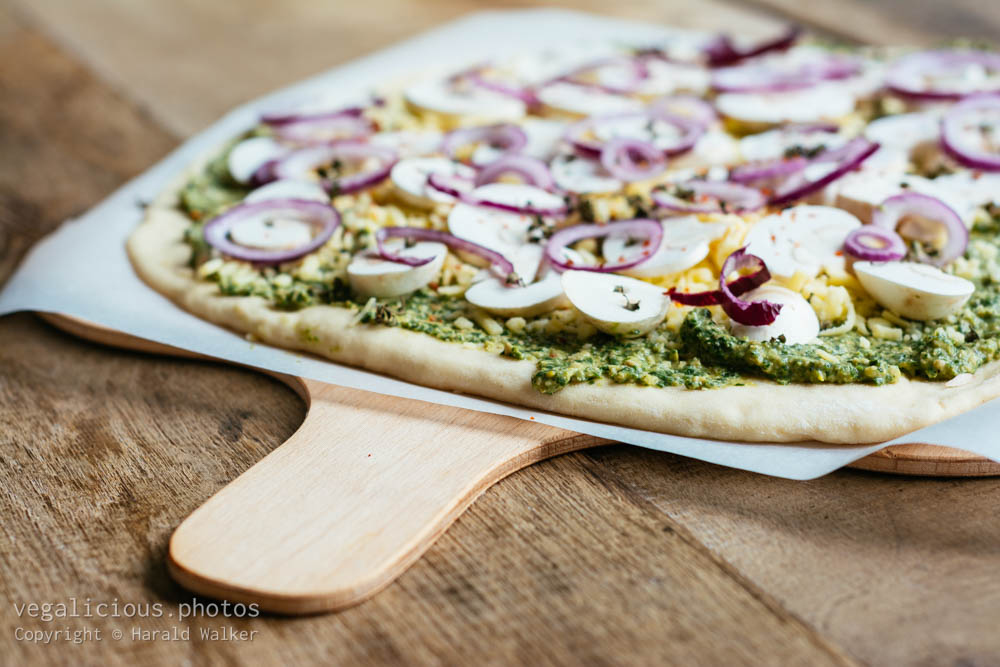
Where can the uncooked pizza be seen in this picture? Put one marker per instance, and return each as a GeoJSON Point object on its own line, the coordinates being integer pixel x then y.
{"type": "Point", "coordinates": [780, 241]}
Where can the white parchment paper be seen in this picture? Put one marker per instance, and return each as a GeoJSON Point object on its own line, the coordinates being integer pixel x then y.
{"type": "Point", "coordinates": [82, 269]}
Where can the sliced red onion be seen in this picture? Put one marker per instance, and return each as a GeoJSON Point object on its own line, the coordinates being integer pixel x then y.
{"type": "Point", "coordinates": [525, 95]}
{"type": "Point", "coordinates": [689, 131]}
{"type": "Point", "coordinates": [686, 106]}
{"type": "Point", "coordinates": [332, 126]}
{"type": "Point", "coordinates": [495, 259]}
{"type": "Point", "coordinates": [638, 72]}
{"type": "Point", "coordinates": [284, 117]}
{"type": "Point", "coordinates": [895, 210]}
{"type": "Point", "coordinates": [530, 169]}
{"type": "Point", "coordinates": [813, 177]}
{"type": "Point", "coordinates": [875, 244]}
{"type": "Point", "coordinates": [503, 137]}
{"type": "Point", "coordinates": [772, 77]}
{"type": "Point", "coordinates": [462, 190]}
{"type": "Point", "coordinates": [319, 214]}
{"type": "Point", "coordinates": [916, 75]}
{"type": "Point", "coordinates": [762, 172]}
{"type": "Point", "coordinates": [632, 159]}
{"type": "Point", "coordinates": [980, 116]}
{"type": "Point", "coordinates": [750, 313]}
{"type": "Point", "coordinates": [710, 197]}
{"type": "Point", "coordinates": [714, 297]}
{"type": "Point", "coordinates": [650, 230]}
{"type": "Point", "coordinates": [721, 50]}
{"type": "Point", "coordinates": [304, 163]}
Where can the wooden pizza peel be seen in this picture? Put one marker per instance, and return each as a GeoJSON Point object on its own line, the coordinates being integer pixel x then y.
{"type": "Point", "coordinates": [368, 482]}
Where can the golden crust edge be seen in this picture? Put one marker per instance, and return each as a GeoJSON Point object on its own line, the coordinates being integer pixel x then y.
{"type": "Point", "coordinates": [761, 411]}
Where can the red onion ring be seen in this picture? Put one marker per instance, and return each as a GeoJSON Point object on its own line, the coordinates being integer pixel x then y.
{"type": "Point", "coordinates": [895, 209]}
{"type": "Point", "coordinates": [691, 131]}
{"type": "Point", "coordinates": [908, 75]}
{"type": "Point", "coordinates": [504, 136]}
{"type": "Point", "coordinates": [762, 77]}
{"type": "Point", "coordinates": [651, 230]}
{"type": "Point", "coordinates": [953, 127]}
{"type": "Point", "coordinates": [637, 65]}
{"type": "Point", "coordinates": [766, 171]}
{"type": "Point", "coordinates": [740, 286]}
{"type": "Point", "coordinates": [324, 216]}
{"type": "Point", "coordinates": [285, 117]}
{"type": "Point", "coordinates": [461, 189]}
{"type": "Point", "coordinates": [750, 313]}
{"type": "Point", "coordinates": [302, 164]}
{"type": "Point", "coordinates": [686, 106]}
{"type": "Point", "coordinates": [420, 234]}
{"type": "Point", "coordinates": [526, 95]}
{"type": "Point", "coordinates": [531, 170]}
{"type": "Point", "coordinates": [721, 50]}
{"type": "Point", "coordinates": [875, 244]}
{"type": "Point", "coordinates": [332, 126]}
{"type": "Point", "coordinates": [632, 159]}
{"type": "Point", "coordinates": [711, 197]}
{"type": "Point", "coordinates": [846, 158]}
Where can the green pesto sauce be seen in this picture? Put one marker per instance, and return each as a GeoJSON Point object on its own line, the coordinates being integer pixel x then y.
{"type": "Point", "coordinates": [701, 355]}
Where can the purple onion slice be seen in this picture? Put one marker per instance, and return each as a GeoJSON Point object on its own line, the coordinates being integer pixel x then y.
{"type": "Point", "coordinates": [922, 217]}
{"type": "Point", "coordinates": [970, 132]}
{"type": "Point", "coordinates": [495, 259]}
{"type": "Point", "coordinates": [822, 170]}
{"type": "Point", "coordinates": [709, 197]}
{"type": "Point", "coordinates": [632, 159]}
{"type": "Point", "coordinates": [325, 162]}
{"type": "Point", "coordinates": [773, 77]}
{"type": "Point", "coordinates": [531, 170]}
{"type": "Point", "coordinates": [721, 50]}
{"type": "Point", "coordinates": [740, 286]}
{"type": "Point", "coordinates": [688, 131]}
{"type": "Point", "coordinates": [649, 230]}
{"type": "Point", "coordinates": [750, 313]}
{"type": "Point", "coordinates": [942, 75]}
{"type": "Point", "coordinates": [505, 138]}
{"type": "Point", "coordinates": [320, 215]}
{"type": "Point", "coordinates": [875, 244]}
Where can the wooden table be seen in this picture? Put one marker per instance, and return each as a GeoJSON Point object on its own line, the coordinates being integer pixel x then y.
{"type": "Point", "coordinates": [615, 555]}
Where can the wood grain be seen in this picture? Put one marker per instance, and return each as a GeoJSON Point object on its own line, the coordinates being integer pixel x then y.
{"type": "Point", "coordinates": [616, 557]}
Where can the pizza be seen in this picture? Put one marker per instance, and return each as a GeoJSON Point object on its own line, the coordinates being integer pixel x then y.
{"type": "Point", "coordinates": [781, 241]}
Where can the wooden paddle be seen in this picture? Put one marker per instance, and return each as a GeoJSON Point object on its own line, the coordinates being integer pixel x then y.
{"type": "Point", "coordinates": [366, 485]}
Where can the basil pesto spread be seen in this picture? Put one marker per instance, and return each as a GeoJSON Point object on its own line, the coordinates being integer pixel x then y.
{"type": "Point", "coordinates": [699, 354]}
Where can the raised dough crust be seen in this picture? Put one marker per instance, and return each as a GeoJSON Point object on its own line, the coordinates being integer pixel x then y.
{"type": "Point", "coordinates": [761, 411]}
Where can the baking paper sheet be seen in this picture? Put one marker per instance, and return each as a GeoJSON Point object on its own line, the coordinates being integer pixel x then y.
{"type": "Point", "coordinates": [82, 269]}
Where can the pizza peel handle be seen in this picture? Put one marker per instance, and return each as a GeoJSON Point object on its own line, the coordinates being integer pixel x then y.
{"type": "Point", "coordinates": [356, 495]}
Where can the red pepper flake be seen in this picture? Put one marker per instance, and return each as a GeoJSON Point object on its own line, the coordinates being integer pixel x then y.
{"type": "Point", "coordinates": [839, 253]}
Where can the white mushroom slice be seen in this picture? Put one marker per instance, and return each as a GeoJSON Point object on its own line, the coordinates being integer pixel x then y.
{"type": "Point", "coordinates": [271, 233]}
{"type": "Point", "coordinates": [618, 305]}
{"type": "Point", "coordinates": [499, 298]}
{"type": "Point", "coordinates": [582, 176]}
{"type": "Point", "coordinates": [902, 139]}
{"type": "Point", "coordinates": [250, 155]}
{"type": "Point", "coordinates": [409, 179]}
{"type": "Point", "coordinates": [503, 231]}
{"type": "Point", "coordinates": [657, 132]}
{"type": "Point", "coordinates": [409, 143]}
{"type": "Point", "coordinates": [577, 100]}
{"type": "Point", "coordinates": [441, 97]}
{"type": "Point", "coordinates": [862, 192]}
{"type": "Point", "coordinates": [288, 189]}
{"type": "Point", "coordinates": [796, 321]}
{"type": "Point", "coordinates": [811, 105]}
{"type": "Point", "coordinates": [966, 191]}
{"type": "Point", "coordinates": [685, 243]}
{"type": "Point", "coordinates": [371, 276]}
{"type": "Point", "coordinates": [714, 148]}
{"type": "Point", "coordinates": [912, 290]}
{"type": "Point", "coordinates": [803, 239]}
{"type": "Point", "coordinates": [773, 144]}
{"type": "Point", "coordinates": [667, 78]}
